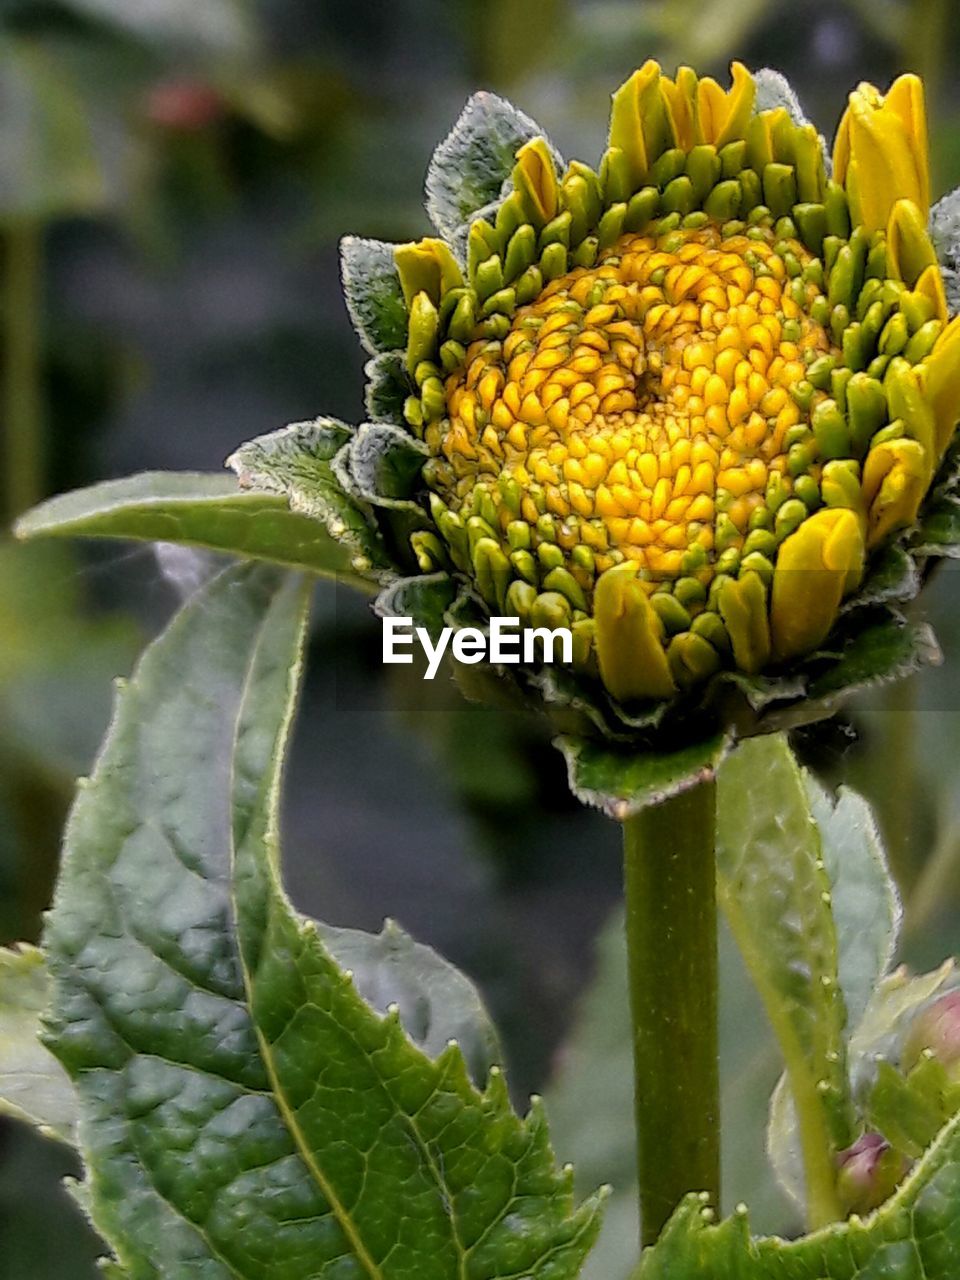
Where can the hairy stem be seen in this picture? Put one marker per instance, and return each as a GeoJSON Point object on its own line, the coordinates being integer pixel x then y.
{"type": "Point", "coordinates": [670, 886]}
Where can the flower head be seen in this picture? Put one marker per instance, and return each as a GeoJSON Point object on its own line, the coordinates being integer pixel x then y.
{"type": "Point", "coordinates": [693, 404]}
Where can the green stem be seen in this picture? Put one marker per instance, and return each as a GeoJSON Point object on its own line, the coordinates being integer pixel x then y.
{"type": "Point", "coordinates": [670, 886]}
{"type": "Point", "coordinates": [24, 463]}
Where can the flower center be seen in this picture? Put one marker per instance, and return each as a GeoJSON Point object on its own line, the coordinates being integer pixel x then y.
{"type": "Point", "coordinates": [641, 408]}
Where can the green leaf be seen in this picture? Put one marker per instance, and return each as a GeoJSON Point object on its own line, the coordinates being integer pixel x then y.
{"type": "Point", "coordinates": [621, 783]}
{"type": "Point", "coordinates": [436, 1002]}
{"type": "Point", "coordinates": [866, 905]}
{"type": "Point", "coordinates": [470, 167]}
{"type": "Point", "coordinates": [939, 531]}
{"type": "Point", "coordinates": [892, 576]}
{"type": "Point", "coordinates": [371, 290]}
{"type": "Point", "coordinates": [200, 510]}
{"type": "Point", "coordinates": [775, 893]}
{"type": "Point", "coordinates": [244, 1111]}
{"type": "Point", "coordinates": [33, 1084]}
{"type": "Point", "coordinates": [299, 462]}
{"type": "Point", "coordinates": [914, 1236]}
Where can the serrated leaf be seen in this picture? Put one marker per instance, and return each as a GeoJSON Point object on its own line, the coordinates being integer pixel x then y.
{"type": "Point", "coordinates": [945, 233]}
{"type": "Point", "coordinates": [372, 292]}
{"type": "Point", "coordinates": [892, 576]}
{"type": "Point", "coordinates": [33, 1085]}
{"type": "Point", "coordinates": [774, 891]}
{"type": "Point", "coordinates": [621, 783]}
{"type": "Point", "coordinates": [299, 462]}
{"type": "Point", "coordinates": [199, 510]}
{"type": "Point", "coordinates": [388, 385]}
{"type": "Point", "coordinates": [914, 1236]}
{"type": "Point", "coordinates": [244, 1111]}
{"type": "Point", "coordinates": [436, 1003]}
{"type": "Point", "coordinates": [470, 167]}
{"type": "Point", "coordinates": [385, 464]}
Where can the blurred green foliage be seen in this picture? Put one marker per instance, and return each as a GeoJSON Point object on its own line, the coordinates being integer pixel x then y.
{"type": "Point", "coordinates": [174, 178]}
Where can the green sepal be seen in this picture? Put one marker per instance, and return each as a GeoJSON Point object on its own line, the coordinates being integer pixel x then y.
{"type": "Point", "coordinates": [621, 783]}
{"type": "Point", "coordinates": [388, 385]}
{"type": "Point", "coordinates": [470, 170]}
{"type": "Point", "coordinates": [426, 599]}
{"type": "Point", "coordinates": [297, 462]}
{"type": "Point", "coordinates": [372, 293]}
{"type": "Point", "coordinates": [385, 464]}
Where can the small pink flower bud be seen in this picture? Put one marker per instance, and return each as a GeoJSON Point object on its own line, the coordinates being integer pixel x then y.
{"type": "Point", "coordinates": [869, 1173]}
{"type": "Point", "coordinates": [937, 1029]}
{"type": "Point", "coordinates": [184, 106]}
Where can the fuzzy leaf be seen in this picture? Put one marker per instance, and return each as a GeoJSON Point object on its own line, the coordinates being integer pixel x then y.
{"type": "Point", "coordinates": [33, 1084]}
{"type": "Point", "coordinates": [371, 290]}
{"type": "Point", "coordinates": [945, 233]}
{"type": "Point", "coordinates": [621, 783]}
{"type": "Point", "coordinates": [914, 1236]}
{"type": "Point", "coordinates": [775, 894]}
{"type": "Point", "coordinates": [388, 385]}
{"type": "Point", "coordinates": [425, 599]}
{"type": "Point", "coordinates": [470, 167]}
{"type": "Point", "coordinates": [939, 531]}
{"type": "Point", "coordinates": [866, 905]}
{"type": "Point", "coordinates": [244, 1111]}
{"type": "Point", "coordinates": [385, 464]}
{"type": "Point", "coordinates": [883, 651]}
{"type": "Point", "coordinates": [298, 462]}
{"type": "Point", "coordinates": [199, 510]}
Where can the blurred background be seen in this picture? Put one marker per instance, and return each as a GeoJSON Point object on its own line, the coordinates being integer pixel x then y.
{"type": "Point", "coordinates": [174, 178]}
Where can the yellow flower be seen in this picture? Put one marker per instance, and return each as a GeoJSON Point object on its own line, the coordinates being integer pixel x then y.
{"type": "Point", "coordinates": [677, 403]}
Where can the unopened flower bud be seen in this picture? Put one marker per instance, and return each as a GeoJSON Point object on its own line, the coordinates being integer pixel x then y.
{"type": "Point", "coordinates": [869, 1173]}
{"type": "Point", "coordinates": [936, 1029]}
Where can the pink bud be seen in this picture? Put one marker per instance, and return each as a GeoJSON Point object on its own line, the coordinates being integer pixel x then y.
{"type": "Point", "coordinates": [186, 106]}
{"type": "Point", "coordinates": [937, 1029]}
{"type": "Point", "coordinates": [869, 1173]}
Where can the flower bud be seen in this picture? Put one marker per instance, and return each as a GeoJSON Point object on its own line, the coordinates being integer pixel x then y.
{"type": "Point", "coordinates": [936, 1029]}
{"type": "Point", "coordinates": [869, 1173]}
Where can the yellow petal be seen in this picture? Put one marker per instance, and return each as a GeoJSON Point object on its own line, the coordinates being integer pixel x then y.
{"type": "Point", "coordinates": [905, 96]}
{"type": "Point", "coordinates": [738, 107]}
{"type": "Point", "coordinates": [426, 266]}
{"type": "Point", "coordinates": [930, 284]}
{"type": "Point", "coordinates": [743, 607]}
{"type": "Point", "coordinates": [841, 149]}
{"type": "Point", "coordinates": [909, 247]}
{"type": "Point", "coordinates": [683, 107]}
{"type": "Point", "coordinates": [639, 124]}
{"type": "Point", "coordinates": [906, 400]}
{"type": "Point", "coordinates": [535, 177]}
{"type": "Point", "coordinates": [940, 380]}
{"type": "Point", "coordinates": [896, 475]}
{"type": "Point", "coordinates": [816, 567]}
{"type": "Point", "coordinates": [633, 662]}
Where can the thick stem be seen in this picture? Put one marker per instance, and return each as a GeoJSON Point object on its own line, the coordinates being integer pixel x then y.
{"type": "Point", "coordinates": [670, 886]}
{"type": "Point", "coordinates": [24, 461]}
